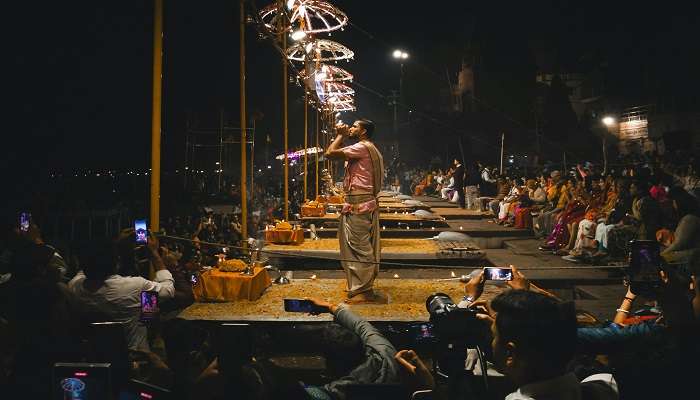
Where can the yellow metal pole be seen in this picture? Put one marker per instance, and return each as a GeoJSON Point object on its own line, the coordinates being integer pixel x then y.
{"type": "Point", "coordinates": [306, 142]}
{"type": "Point", "coordinates": [317, 145]}
{"type": "Point", "coordinates": [244, 144]}
{"type": "Point", "coordinates": [284, 111]}
{"type": "Point", "coordinates": [156, 113]}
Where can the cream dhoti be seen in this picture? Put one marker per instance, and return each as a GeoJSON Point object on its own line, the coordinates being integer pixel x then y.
{"type": "Point", "coordinates": [358, 235]}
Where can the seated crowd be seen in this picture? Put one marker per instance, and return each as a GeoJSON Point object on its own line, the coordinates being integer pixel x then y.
{"type": "Point", "coordinates": [584, 214]}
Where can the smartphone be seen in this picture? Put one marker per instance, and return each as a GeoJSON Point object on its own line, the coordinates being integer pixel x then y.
{"type": "Point", "coordinates": [25, 219]}
{"type": "Point", "coordinates": [149, 305]}
{"type": "Point", "coordinates": [77, 381]}
{"type": "Point", "coordinates": [235, 344]}
{"type": "Point", "coordinates": [140, 231]}
{"type": "Point", "coordinates": [422, 332]}
{"type": "Point", "coordinates": [498, 274]}
{"type": "Point", "coordinates": [645, 264]}
{"type": "Point", "coordinates": [300, 305]}
{"type": "Point", "coordinates": [194, 280]}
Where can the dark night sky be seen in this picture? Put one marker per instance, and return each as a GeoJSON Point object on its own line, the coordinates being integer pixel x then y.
{"type": "Point", "coordinates": [80, 81]}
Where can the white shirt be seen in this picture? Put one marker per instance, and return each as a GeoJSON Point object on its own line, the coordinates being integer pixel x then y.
{"type": "Point", "coordinates": [120, 299]}
{"type": "Point", "coordinates": [567, 387]}
{"type": "Point", "coordinates": [486, 176]}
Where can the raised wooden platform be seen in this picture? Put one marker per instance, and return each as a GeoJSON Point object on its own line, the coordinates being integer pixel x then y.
{"type": "Point", "coordinates": [386, 220]}
{"type": "Point", "coordinates": [406, 301]}
{"type": "Point", "coordinates": [325, 253]}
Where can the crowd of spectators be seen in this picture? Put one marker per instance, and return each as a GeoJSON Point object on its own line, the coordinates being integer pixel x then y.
{"type": "Point", "coordinates": [583, 214]}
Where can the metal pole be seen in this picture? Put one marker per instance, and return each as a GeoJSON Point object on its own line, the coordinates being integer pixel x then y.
{"type": "Point", "coordinates": [156, 113]}
{"type": "Point", "coordinates": [244, 144]}
{"type": "Point", "coordinates": [221, 145]}
{"type": "Point", "coordinates": [503, 139]}
{"type": "Point", "coordinates": [317, 145]}
{"type": "Point", "coordinates": [252, 164]}
{"type": "Point", "coordinates": [284, 113]}
{"type": "Point", "coordinates": [306, 143]}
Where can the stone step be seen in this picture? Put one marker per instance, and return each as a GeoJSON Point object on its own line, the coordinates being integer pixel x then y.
{"type": "Point", "coordinates": [524, 246]}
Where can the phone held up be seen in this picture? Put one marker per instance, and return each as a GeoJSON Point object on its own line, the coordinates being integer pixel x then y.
{"type": "Point", "coordinates": [25, 220]}
{"type": "Point", "coordinates": [149, 305]}
{"type": "Point", "coordinates": [140, 231]}
{"type": "Point", "coordinates": [498, 274]}
{"type": "Point", "coordinates": [645, 263]}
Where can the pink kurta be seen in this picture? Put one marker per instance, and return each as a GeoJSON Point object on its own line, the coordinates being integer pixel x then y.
{"type": "Point", "coordinates": [358, 169]}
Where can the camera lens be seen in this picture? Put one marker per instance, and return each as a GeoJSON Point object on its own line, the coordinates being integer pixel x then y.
{"type": "Point", "coordinates": [439, 304]}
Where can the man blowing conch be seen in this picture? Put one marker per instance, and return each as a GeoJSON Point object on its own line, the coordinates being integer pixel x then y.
{"type": "Point", "coordinates": [359, 220]}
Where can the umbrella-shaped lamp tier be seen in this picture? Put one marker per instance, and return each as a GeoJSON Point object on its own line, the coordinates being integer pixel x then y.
{"type": "Point", "coordinates": [330, 73]}
{"type": "Point", "coordinates": [335, 89]}
{"type": "Point", "coordinates": [312, 16]}
{"type": "Point", "coordinates": [319, 51]}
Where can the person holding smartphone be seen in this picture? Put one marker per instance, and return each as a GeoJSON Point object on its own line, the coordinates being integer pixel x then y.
{"type": "Point", "coordinates": [355, 352]}
{"type": "Point", "coordinates": [102, 291]}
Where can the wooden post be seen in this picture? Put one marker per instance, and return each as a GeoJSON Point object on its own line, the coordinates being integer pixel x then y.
{"type": "Point", "coordinates": [306, 142]}
{"type": "Point", "coordinates": [317, 145]}
{"type": "Point", "coordinates": [283, 22]}
{"type": "Point", "coordinates": [156, 113]}
{"type": "Point", "coordinates": [244, 144]}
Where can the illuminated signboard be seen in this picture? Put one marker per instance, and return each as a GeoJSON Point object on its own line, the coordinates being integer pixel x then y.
{"type": "Point", "coordinates": [634, 129]}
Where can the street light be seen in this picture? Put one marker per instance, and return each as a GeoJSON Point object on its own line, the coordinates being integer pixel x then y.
{"type": "Point", "coordinates": [401, 56]}
{"type": "Point", "coordinates": [609, 122]}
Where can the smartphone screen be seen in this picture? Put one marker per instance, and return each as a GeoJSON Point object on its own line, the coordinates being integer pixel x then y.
{"type": "Point", "coordinates": [25, 219]}
{"type": "Point", "coordinates": [422, 332]}
{"type": "Point", "coordinates": [194, 280]}
{"type": "Point", "coordinates": [149, 305]}
{"type": "Point", "coordinates": [498, 274]}
{"type": "Point", "coordinates": [645, 261]}
{"type": "Point", "coordinates": [140, 230]}
{"type": "Point", "coordinates": [299, 305]}
{"type": "Point", "coordinates": [81, 381]}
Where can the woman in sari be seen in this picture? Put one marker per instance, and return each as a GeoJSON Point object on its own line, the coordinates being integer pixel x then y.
{"type": "Point", "coordinates": [573, 213]}
{"type": "Point", "coordinates": [535, 197]}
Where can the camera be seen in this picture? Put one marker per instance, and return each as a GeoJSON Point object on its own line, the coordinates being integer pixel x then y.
{"type": "Point", "coordinates": [452, 323]}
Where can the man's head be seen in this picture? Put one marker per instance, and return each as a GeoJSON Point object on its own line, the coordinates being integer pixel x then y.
{"type": "Point", "coordinates": [534, 336]}
{"type": "Point", "coordinates": [342, 349]}
{"type": "Point", "coordinates": [361, 129]}
{"type": "Point", "coordinates": [98, 260]}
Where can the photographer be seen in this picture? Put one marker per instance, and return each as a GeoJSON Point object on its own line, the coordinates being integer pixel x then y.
{"type": "Point", "coordinates": [534, 338]}
{"type": "Point", "coordinates": [355, 352]}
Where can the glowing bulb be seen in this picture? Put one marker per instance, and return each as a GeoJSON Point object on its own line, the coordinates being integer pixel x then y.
{"type": "Point", "coordinates": [397, 53]}
{"type": "Point", "coordinates": [396, 276]}
{"type": "Point", "coordinates": [460, 228]}
{"type": "Point", "coordinates": [452, 273]}
{"type": "Point", "coordinates": [298, 35]}
{"type": "Point", "coordinates": [290, 4]}
{"type": "Point", "coordinates": [313, 276]}
{"type": "Point", "coordinates": [609, 121]}
{"type": "Point", "coordinates": [404, 55]}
